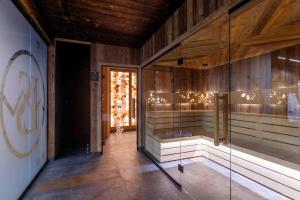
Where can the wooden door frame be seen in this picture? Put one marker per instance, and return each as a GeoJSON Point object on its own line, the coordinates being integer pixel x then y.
{"type": "Point", "coordinates": [99, 67]}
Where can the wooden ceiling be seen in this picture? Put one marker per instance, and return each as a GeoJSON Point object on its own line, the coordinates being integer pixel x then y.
{"type": "Point", "coordinates": [257, 28]}
{"type": "Point", "coordinates": [119, 22]}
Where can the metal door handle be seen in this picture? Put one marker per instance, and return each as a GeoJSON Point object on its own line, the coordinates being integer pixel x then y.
{"type": "Point", "coordinates": [217, 139]}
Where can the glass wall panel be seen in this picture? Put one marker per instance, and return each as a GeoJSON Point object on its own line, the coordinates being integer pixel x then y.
{"type": "Point", "coordinates": [161, 131]}
{"type": "Point", "coordinates": [23, 105]}
{"type": "Point", "coordinates": [203, 91]}
{"type": "Point", "coordinates": [265, 75]}
{"type": "Point", "coordinates": [221, 110]}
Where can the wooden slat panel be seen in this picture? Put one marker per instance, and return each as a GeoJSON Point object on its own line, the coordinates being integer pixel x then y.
{"type": "Point", "coordinates": [198, 11]}
{"type": "Point", "coordinates": [53, 141]}
{"type": "Point", "coordinates": [116, 55]}
{"type": "Point", "coordinates": [264, 175]}
{"type": "Point", "coordinates": [95, 87]}
{"type": "Point", "coordinates": [270, 134]}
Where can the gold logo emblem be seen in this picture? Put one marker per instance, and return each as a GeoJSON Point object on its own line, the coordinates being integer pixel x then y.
{"type": "Point", "coordinates": [22, 103]}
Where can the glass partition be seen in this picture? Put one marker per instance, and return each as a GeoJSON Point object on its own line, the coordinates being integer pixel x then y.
{"type": "Point", "coordinates": [265, 75]}
{"type": "Point", "coordinates": [221, 110]}
{"type": "Point", "coordinates": [161, 119]}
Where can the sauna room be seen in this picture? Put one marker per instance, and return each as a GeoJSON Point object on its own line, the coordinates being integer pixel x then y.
{"type": "Point", "coordinates": [228, 97]}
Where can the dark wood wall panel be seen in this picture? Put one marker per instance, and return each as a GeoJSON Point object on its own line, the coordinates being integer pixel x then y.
{"type": "Point", "coordinates": [53, 141]}
{"type": "Point", "coordinates": [115, 54]}
{"type": "Point", "coordinates": [117, 22]}
{"type": "Point", "coordinates": [198, 11]}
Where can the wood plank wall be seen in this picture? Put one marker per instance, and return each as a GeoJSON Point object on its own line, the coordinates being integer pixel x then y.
{"type": "Point", "coordinates": [95, 87]}
{"type": "Point", "coordinates": [182, 21]}
{"type": "Point", "coordinates": [53, 142]}
{"type": "Point", "coordinates": [260, 75]}
{"type": "Point", "coordinates": [111, 54]}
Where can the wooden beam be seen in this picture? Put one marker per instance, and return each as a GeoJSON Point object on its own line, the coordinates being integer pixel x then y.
{"type": "Point", "coordinates": [52, 138]}
{"type": "Point", "coordinates": [96, 123]}
{"type": "Point", "coordinates": [30, 11]}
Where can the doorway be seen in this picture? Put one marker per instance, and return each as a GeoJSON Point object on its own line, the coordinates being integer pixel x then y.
{"type": "Point", "coordinates": [72, 97]}
{"type": "Point", "coordinates": [119, 108]}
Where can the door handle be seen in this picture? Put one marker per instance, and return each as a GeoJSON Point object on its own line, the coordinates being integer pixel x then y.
{"type": "Point", "coordinates": [217, 138]}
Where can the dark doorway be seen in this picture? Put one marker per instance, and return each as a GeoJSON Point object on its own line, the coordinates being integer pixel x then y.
{"type": "Point", "coordinates": [73, 96]}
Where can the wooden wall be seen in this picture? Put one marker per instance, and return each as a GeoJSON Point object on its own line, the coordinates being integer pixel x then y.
{"type": "Point", "coordinates": [111, 54]}
{"type": "Point", "coordinates": [52, 139]}
{"type": "Point", "coordinates": [259, 75]}
{"type": "Point", "coordinates": [191, 13]}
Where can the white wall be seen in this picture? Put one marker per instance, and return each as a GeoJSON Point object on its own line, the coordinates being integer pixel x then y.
{"type": "Point", "coordinates": [23, 102]}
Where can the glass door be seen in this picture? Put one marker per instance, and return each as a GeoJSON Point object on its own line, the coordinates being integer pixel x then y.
{"type": "Point", "coordinates": [119, 100]}
{"type": "Point", "coordinates": [204, 94]}
{"type": "Point", "coordinates": [265, 109]}
{"type": "Point", "coordinates": [205, 148]}
{"type": "Point", "coordinates": [161, 119]}
{"type": "Point", "coordinates": [123, 95]}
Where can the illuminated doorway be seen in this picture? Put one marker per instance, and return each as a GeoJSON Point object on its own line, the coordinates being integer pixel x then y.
{"type": "Point", "coordinates": [122, 100]}
{"type": "Point", "coordinates": [119, 103]}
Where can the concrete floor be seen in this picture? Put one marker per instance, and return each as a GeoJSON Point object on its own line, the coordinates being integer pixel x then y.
{"type": "Point", "coordinates": [207, 180]}
{"type": "Point", "coordinates": [122, 173]}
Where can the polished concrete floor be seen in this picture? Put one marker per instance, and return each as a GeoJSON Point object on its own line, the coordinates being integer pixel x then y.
{"type": "Point", "coordinates": [205, 179]}
{"type": "Point", "coordinates": [122, 173]}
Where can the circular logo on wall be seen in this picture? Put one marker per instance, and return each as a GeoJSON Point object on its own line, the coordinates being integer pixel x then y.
{"type": "Point", "coordinates": [22, 103]}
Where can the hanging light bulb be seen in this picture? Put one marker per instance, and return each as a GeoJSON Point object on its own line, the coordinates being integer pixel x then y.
{"type": "Point", "coordinates": [248, 97]}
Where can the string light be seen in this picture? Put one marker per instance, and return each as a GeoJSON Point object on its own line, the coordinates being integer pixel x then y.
{"type": "Point", "coordinates": [156, 100]}
{"type": "Point", "coordinates": [276, 96]}
{"type": "Point", "coordinates": [273, 95]}
{"type": "Point", "coordinates": [248, 96]}
{"type": "Point", "coordinates": [195, 97]}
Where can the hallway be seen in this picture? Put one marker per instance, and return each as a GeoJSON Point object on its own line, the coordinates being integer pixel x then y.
{"type": "Point", "coordinates": [122, 173]}
{"type": "Point", "coordinates": [150, 100]}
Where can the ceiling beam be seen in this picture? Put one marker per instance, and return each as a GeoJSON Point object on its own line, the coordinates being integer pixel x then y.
{"type": "Point", "coordinates": [30, 11]}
